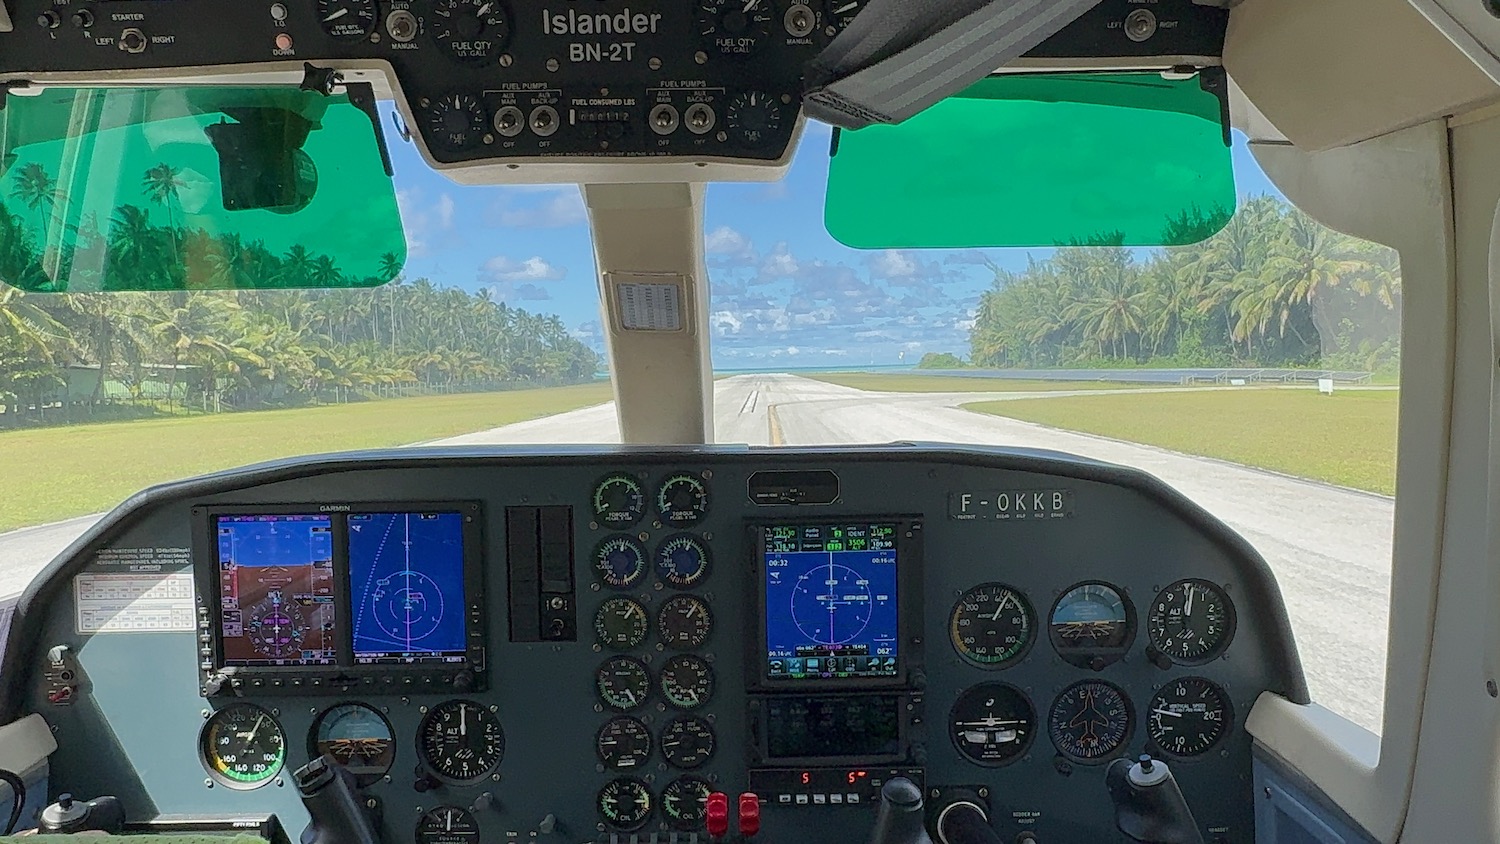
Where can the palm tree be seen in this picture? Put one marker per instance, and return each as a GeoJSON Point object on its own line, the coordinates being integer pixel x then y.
{"type": "Point", "coordinates": [36, 189]}
{"type": "Point", "coordinates": [25, 324]}
{"type": "Point", "coordinates": [161, 185]}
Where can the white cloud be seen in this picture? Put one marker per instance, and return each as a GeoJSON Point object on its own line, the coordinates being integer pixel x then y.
{"type": "Point", "coordinates": [726, 241]}
{"type": "Point", "coordinates": [892, 263]}
{"type": "Point", "coordinates": [780, 263]}
{"type": "Point", "coordinates": [427, 226]}
{"type": "Point", "coordinates": [725, 322]}
{"type": "Point", "coordinates": [561, 207]}
{"type": "Point", "coordinates": [505, 269]}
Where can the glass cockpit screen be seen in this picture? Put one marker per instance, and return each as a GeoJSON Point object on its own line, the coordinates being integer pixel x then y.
{"type": "Point", "coordinates": [406, 587]}
{"type": "Point", "coordinates": [830, 601]}
{"type": "Point", "coordinates": [276, 589]}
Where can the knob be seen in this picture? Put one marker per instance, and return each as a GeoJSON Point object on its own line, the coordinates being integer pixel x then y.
{"type": "Point", "coordinates": [83, 18]}
{"type": "Point", "coordinates": [48, 20]}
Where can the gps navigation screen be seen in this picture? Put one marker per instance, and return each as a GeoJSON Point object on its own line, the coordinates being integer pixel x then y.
{"type": "Point", "coordinates": [830, 601]}
{"type": "Point", "coordinates": [276, 589]}
{"type": "Point", "coordinates": [406, 585]}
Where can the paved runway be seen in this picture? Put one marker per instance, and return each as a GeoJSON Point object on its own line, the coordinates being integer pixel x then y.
{"type": "Point", "coordinates": [1330, 547]}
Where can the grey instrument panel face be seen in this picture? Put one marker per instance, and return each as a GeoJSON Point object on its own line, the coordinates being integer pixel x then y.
{"type": "Point", "coordinates": [1000, 625]}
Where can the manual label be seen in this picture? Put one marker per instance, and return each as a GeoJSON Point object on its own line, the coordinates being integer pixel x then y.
{"type": "Point", "coordinates": [133, 603]}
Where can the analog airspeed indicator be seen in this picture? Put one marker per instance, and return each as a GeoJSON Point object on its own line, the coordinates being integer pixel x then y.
{"type": "Point", "coordinates": [1191, 622]}
{"type": "Point", "coordinates": [991, 626]}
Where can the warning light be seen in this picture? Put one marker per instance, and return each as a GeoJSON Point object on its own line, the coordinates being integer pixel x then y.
{"type": "Point", "coordinates": [806, 777]}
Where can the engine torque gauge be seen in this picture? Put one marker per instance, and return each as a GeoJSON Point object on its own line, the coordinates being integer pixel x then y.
{"type": "Point", "coordinates": [1189, 716]}
{"type": "Point", "coordinates": [992, 724]}
{"type": "Point", "coordinates": [623, 744]}
{"type": "Point", "coordinates": [682, 500]}
{"type": "Point", "coordinates": [685, 801]}
{"type": "Point", "coordinates": [358, 737]}
{"type": "Point", "coordinates": [991, 626]}
{"type": "Point", "coordinates": [688, 742]}
{"type": "Point", "coordinates": [620, 561]}
{"type": "Point", "coordinates": [684, 622]}
{"type": "Point", "coordinates": [687, 681]}
{"type": "Point", "coordinates": [625, 803]}
{"type": "Point", "coordinates": [347, 20]}
{"type": "Point", "coordinates": [461, 740]}
{"type": "Point", "coordinates": [1089, 721]}
{"type": "Point", "coordinates": [623, 683]}
{"type": "Point", "coordinates": [1191, 621]}
{"type": "Point", "coordinates": [619, 501]}
{"type": "Point", "coordinates": [448, 825]}
{"type": "Point", "coordinates": [242, 746]}
{"type": "Point", "coordinates": [682, 561]}
{"type": "Point", "coordinates": [470, 30]}
{"type": "Point", "coordinates": [621, 624]}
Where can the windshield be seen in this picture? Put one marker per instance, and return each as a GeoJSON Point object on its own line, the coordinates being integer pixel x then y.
{"type": "Point", "coordinates": [1256, 372]}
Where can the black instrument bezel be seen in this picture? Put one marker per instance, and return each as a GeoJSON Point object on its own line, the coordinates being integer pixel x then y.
{"type": "Point", "coordinates": [345, 675]}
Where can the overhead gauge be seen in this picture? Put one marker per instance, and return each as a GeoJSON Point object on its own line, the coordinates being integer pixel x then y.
{"type": "Point", "coordinates": [620, 561]}
{"type": "Point", "coordinates": [347, 20]}
{"type": "Point", "coordinates": [682, 500]}
{"type": "Point", "coordinates": [992, 724]}
{"type": "Point", "coordinates": [1189, 716]}
{"type": "Point", "coordinates": [242, 746]}
{"type": "Point", "coordinates": [356, 736]}
{"type": "Point", "coordinates": [735, 28]}
{"type": "Point", "coordinates": [625, 803]}
{"type": "Point", "coordinates": [687, 681]}
{"type": "Point", "coordinates": [621, 624]}
{"type": "Point", "coordinates": [1191, 621]}
{"type": "Point", "coordinates": [623, 744]}
{"type": "Point", "coordinates": [472, 31]}
{"type": "Point", "coordinates": [456, 121]}
{"type": "Point", "coordinates": [685, 801]}
{"type": "Point", "coordinates": [684, 622]}
{"type": "Point", "coordinates": [753, 117]}
{"type": "Point", "coordinates": [623, 683]}
{"type": "Point", "coordinates": [991, 625]}
{"type": "Point", "coordinates": [840, 13]}
{"type": "Point", "coordinates": [682, 561]}
{"type": "Point", "coordinates": [1089, 721]}
{"type": "Point", "coordinates": [688, 742]}
{"type": "Point", "coordinates": [1092, 625]}
{"type": "Point", "coordinates": [619, 501]}
{"type": "Point", "coordinates": [461, 740]}
{"type": "Point", "coordinates": [448, 825]}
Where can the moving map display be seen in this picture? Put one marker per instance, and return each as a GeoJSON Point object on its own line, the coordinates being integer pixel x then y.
{"type": "Point", "coordinates": [406, 587]}
{"type": "Point", "coordinates": [830, 601]}
{"type": "Point", "coordinates": [276, 589]}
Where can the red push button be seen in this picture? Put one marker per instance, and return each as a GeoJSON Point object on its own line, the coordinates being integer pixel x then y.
{"type": "Point", "coordinates": [749, 814]}
{"type": "Point", "coordinates": [716, 814]}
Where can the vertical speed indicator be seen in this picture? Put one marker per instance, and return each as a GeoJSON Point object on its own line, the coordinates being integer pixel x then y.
{"type": "Point", "coordinates": [991, 626]}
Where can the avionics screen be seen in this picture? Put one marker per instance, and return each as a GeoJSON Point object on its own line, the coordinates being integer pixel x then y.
{"type": "Point", "coordinates": [406, 587]}
{"type": "Point", "coordinates": [830, 601]}
{"type": "Point", "coordinates": [812, 727]}
{"type": "Point", "coordinates": [276, 589]}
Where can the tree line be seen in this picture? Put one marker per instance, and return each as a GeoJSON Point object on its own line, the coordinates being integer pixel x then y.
{"type": "Point", "coordinates": [239, 349]}
{"type": "Point", "coordinates": [1272, 289]}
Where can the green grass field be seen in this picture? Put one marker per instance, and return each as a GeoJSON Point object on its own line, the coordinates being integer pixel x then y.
{"type": "Point", "coordinates": [955, 384]}
{"type": "Point", "coordinates": [1348, 438]}
{"type": "Point", "coordinates": [56, 473]}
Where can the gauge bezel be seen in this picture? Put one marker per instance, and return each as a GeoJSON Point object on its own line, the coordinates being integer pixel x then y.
{"type": "Point", "coordinates": [1112, 753]}
{"type": "Point", "coordinates": [349, 39]}
{"type": "Point", "coordinates": [636, 782]}
{"type": "Point", "coordinates": [706, 556]}
{"type": "Point", "coordinates": [473, 821]}
{"type": "Point", "coordinates": [646, 623]}
{"type": "Point", "coordinates": [1231, 622]}
{"type": "Point", "coordinates": [444, 43]}
{"type": "Point", "coordinates": [1082, 657]}
{"type": "Point", "coordinates": [1022, 750]}
{"type": "Point", "coordinates": [642, 730]}
{"type": "Point", "coordinates": [312, 736]}
{"type": "Point", "coordinates": [205, 754]}
{"type": "Point", "coordinates": [661, 627]}
{"type": "Point", "coordinates": [1229, 716]}
{"type": "Point", "coordinates": [619, 525]}
{"type": "Point", "coordinates": [683, 823]}
{"type": "Point", "coordinates": [1031, 624]}
{"type": "Point", "coordinates": [661, 488]}
{"type": "Point", "coordinates": [430, 716]}
{"type": "Point", "coordinates": [596, 562]}
{"type": "Point", "coordinates": [708, 667]}
{"type": "Point", "coordinates": [689, 718]}
{"type": "Point", "coordinates": [636, 662]}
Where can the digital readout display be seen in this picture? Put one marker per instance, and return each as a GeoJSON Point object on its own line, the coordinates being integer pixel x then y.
{"type": "Point", "coordinates": [276, 596]}
{"type": "Point", "coordinates": [830, 601]}
{"type": "Point", "coordinates": [825, 727]}
{"type": "Point", "coordinates": [406, 587]}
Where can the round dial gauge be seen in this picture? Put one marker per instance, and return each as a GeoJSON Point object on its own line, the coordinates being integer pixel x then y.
{"type": "Point", "coordinates": [735, 28]}
{"type": "Point", "coordinates": [623, 683]}
{"type": "Point", "coordinates": [687, 681]}
{"type": "Point", "coordinates": [619, 501]}
{"type": "Point", "coordinates": [1191, 622]}
{"type": "Point", "coordinates": [456, 121]}
{"type": "Point", "coordinates": [448, 825]}
{"type": "Point", "coordinates": [688, 742]}
{"type": "Point", "coordinates": [620, 561]}
{"type": "Point", "coordinates": [682, 500]}
{"type": "Point", "coordinates": [840, 13]}
{"type": "Point", "coordinates": [992, 724]}
{"type": "Point", "coordinates": [1189, 716]}
{"type": "Point", "coordinates": [470, 30]}
{"type": "Point", "coordinates": [753, 117]}
{"type": "Point", "coordinates": [621, 624]}
{"type": "Point", "coordinates": [356, 736]}
{"type": "Point", "coordinates": [242, 746]}
{"type": "Point", "coordinates": [623, 744]}
{"type": "Point", "coordinates": [347, 20]}
{"type": "Point", "coordinates": [625, 803]}
{"type": "Point", "coordinates": [684, 622]}
{"type": "Point", "coordinates": [682, 561]}
{"type": "Point", "coordinates": [1089, 721]}
{"type": "Point", "coordinates": [685, 801]}
{"type": "Point", "coordinates": [991, 625]}
{"type": "Point", "coordinates": [461, 740]}
{"type": "Point", "coordinates": [1092, 625]}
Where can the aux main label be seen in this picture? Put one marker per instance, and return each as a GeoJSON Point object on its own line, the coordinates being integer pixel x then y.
{"type": "Point", "coordinates": [624, 22]}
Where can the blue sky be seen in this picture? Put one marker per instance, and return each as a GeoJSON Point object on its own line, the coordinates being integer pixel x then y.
{"type": "Point", "coordinates": [784, 293]}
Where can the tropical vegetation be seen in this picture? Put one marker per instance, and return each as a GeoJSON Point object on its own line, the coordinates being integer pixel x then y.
{"type": "Point", "coordinates": [1272, 289]}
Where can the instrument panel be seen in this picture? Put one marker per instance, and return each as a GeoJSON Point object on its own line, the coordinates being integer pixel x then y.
{"type": "Point", "coordinates": [598, 645]}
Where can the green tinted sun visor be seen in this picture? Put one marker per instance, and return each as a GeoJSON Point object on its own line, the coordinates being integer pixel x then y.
{"type": "Point", "coordinates": [1041, 160]}
{"type": "Point", "coordinates": [194, 189]}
